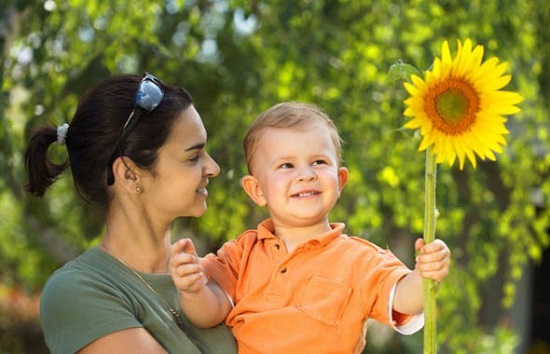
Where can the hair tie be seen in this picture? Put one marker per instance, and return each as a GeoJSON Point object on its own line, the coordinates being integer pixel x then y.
{"type": "Point", "coordinates": [62, 133]}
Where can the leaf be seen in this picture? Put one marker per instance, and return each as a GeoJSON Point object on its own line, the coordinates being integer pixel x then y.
{"type": "Point", "coordinates": [402, 72]}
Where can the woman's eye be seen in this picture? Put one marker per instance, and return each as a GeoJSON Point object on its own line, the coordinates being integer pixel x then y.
{"type": "Point", "coordinates": [194, 158]}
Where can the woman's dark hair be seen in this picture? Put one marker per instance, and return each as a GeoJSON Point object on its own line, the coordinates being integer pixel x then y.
{"type": "Point", "coordinates": [95, 130]}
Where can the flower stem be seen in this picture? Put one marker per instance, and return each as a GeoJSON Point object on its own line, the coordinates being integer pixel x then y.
{"type": "Point", "coordinates": [430, 286]}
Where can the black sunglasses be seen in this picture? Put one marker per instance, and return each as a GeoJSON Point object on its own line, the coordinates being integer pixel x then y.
{"type": "Point", "coordinates": [148, 97]}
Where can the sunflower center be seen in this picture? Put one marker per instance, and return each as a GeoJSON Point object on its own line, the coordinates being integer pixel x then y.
{"type": "Point", "coordinates": [452, 106]}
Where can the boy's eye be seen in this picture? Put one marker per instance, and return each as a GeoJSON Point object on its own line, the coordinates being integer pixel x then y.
{"type": "Point", "coordinates": [286, 165]}
{"type": "Point", "coordinates": [319, 162]}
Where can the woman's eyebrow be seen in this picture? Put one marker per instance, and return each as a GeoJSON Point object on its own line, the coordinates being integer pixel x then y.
{"type": "Point", "coordinates": [198, 146]}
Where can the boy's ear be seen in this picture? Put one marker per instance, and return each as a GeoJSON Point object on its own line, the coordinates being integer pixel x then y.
{"type": "Point", "coordinates": [125, 172]}
{"type": "Point", "coordinates": [343, 175]}
{"type": "Point", "coordinates": [252, 188]}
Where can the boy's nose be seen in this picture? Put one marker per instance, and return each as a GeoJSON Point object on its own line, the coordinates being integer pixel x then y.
{"type": "Point", "coordinates": [306, 174]}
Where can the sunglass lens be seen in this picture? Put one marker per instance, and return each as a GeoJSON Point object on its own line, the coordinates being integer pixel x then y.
{"type": "Point", "coordinates": [149, 95]}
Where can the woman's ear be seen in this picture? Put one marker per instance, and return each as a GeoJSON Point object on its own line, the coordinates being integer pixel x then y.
{"type": "Point", "coordinates": [126, 174]}
{"type": "Point", "coordinates": [252, 188]}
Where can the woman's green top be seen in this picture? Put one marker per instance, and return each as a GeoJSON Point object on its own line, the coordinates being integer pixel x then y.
{"type": "Point", "coordinates": [95, 295]}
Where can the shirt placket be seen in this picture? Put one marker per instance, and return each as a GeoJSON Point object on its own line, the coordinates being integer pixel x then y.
{"type": "Point", "coordinates": [278, 287]}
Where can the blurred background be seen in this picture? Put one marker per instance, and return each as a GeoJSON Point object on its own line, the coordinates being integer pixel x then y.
{"type": "Point", "coordinates": [239, 57]}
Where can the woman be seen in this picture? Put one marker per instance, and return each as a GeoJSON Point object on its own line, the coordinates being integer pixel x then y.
{"type": "Point", "coordinates": [136, 149]}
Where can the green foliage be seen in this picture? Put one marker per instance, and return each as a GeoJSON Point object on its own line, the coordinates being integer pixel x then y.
{"type": "Point", "coordinates": [402, 72]}
{"type": "Point", "coordinates": [240, 57]}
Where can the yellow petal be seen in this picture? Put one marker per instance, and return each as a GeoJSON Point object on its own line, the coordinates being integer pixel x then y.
{"type": "Point", "coordinates": [480, 131]}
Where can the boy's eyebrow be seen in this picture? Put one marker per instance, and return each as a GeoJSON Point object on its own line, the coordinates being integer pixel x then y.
{"type": "Point", "coordinates": [198, 146]}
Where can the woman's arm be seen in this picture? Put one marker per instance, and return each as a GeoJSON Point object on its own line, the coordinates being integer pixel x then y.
{"type": "Point", "coordinates": [132, 340]}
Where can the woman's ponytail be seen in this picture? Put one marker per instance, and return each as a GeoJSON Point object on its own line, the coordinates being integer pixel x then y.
{"type": "Point", "coordinates": [42, 171]}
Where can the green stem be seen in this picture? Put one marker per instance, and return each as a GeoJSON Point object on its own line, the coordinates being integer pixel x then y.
{"type": "Point", "coordinates": [430, 286]}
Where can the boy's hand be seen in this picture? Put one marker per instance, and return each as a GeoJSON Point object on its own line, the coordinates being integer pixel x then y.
{"type": "Point", "coordinates": [186, 271]}
{"type": "Point", "coordinates": [433, 260]}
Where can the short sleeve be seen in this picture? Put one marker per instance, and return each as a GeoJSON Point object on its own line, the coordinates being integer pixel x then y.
{"type": "Point", "coordinates": [75, 310]}
{"type": "Point", "coordinates": [226, 265]}
{"type": "Point", "coordinates": [219, 268]}
{"type": "Point", "coordinates": [382, 271]}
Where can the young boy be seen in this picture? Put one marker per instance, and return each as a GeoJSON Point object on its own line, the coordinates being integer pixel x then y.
{"type": "Point", "coordinates": [298, 284]}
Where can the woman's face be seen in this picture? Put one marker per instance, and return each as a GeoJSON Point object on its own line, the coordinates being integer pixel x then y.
{"type": "Point", "coordinates": [178, 185]}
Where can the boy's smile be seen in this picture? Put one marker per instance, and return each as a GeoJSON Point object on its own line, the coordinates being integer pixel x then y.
{"type": "Point", "coordinates": [297, 175]}
{"type": "Point", "coordinates": [305, 194]}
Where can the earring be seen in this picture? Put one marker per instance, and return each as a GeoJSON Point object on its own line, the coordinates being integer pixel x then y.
{"type": "Point", "coordinates": [138, 189]}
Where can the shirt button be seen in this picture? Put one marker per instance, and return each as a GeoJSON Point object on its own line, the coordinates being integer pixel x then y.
{"type": "Point", "coordinates": [283, 271]}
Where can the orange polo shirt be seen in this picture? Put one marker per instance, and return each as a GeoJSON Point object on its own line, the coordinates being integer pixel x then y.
{"type": "Point", "coordinates": [315, 299]}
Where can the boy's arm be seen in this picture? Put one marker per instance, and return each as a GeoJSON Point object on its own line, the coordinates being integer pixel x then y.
{"type": "Point", "coordinates": [205, 303]}
{"type": "Point", "coordinates": [432, 262]}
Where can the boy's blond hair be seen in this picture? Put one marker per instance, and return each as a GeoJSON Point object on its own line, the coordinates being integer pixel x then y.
{"type": "Point", "coordinates": [288, 115]}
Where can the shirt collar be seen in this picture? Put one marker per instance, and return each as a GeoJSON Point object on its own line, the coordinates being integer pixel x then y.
{"type": "Point", "coordinates": [265, 232]}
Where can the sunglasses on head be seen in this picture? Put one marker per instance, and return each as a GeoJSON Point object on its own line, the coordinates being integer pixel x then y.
{"type": "Point", "coordinates": [148, 97]}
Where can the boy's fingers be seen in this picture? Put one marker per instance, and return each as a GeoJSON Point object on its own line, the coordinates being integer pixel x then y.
{"type": "Point", "coordinates": [189, 269]}
{"type": "Point", "coordinates": [418, 244]}
{"type": "Point", "coordinates": [182, 254]}
{"type": "Point", "coordinates": [434, 270]}
{"type": "Point", "coordinates": [436, 246]}
{"type": "Point", "coordinates": [189, 247]}
{"type": "Point", "coordinates": [433, 259]}
{"type": "Point", "coordinates": [177, 247]}
{"type": "Point", "coordinates": [184, 245]}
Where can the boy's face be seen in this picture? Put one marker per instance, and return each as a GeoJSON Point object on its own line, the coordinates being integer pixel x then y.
{"type": "Point", "coordinates": [296, 174]}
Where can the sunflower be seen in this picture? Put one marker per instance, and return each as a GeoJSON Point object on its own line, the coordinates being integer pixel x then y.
{"type": "Point", "coordinates": [459, 106]}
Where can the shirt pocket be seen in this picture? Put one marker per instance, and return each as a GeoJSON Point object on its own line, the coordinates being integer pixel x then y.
{"type": "Point", "coordinates": [325, 300]}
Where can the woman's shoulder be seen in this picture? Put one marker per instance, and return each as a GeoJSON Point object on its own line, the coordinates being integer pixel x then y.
{"type": "Point", "coordinates": [79, 304]}
{"type": "Point", "coordinates": [83, 277]}
{"type": "Point", "coordinates": [78, 269]}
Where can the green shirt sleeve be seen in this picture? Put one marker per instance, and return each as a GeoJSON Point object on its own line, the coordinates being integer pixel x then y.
{"type": "Point", "coordinates": [95, 295]}
{"type": "Point", "coordinates": [75, 311]}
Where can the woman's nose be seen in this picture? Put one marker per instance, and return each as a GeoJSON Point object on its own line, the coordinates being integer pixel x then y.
{"type": "Point", "coordinates": [212, 168]}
